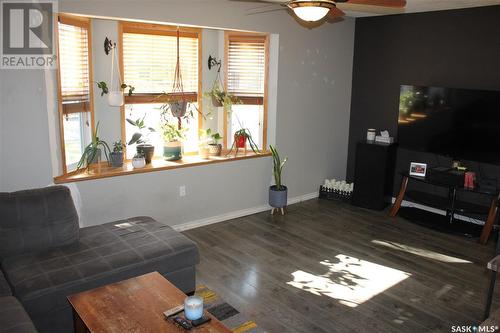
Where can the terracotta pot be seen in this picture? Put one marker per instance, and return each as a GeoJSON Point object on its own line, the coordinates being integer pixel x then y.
{"type": "Point", "coordinates": [241, 141]}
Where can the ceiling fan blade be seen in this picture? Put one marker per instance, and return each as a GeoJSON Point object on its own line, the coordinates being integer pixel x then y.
{"type": "Point", "coordinates": [265, 11]}
{"type": "Point", "coordinates": [335, 13]}
{"type": "Point", "coordinates": [276, 2]}
{"type": "Point", "coordinates": [382, 3]}
{"type": "Point", "coordinates": [350, 7]}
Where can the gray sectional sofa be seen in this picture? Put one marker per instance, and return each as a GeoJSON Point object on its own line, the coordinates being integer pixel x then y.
{"type": "Point", "coordinates": [45, 257]}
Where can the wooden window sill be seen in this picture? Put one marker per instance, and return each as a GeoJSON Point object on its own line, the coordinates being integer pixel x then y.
{"type": "Point", "coordinates": [158, 164]}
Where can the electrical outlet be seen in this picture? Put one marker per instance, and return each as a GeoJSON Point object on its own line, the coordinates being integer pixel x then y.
{"type": "Point", "coordinates": [182, 191]}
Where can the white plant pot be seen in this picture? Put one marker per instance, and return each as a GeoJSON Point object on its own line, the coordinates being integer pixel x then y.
{"type": "Point", "coordinates": [138, 163]}
{"type": "Point", "coordinates": [204, 151]}
{"type": "Point", "coordinates": [172, 151]}
{"type": "Point", "coordinates": [115, 98]}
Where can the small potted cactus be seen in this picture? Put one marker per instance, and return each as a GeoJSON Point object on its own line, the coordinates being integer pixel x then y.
{"type": "Point", "coordinates": [116, 156]}
{"type": "Point", "coordinates": [139, 160]}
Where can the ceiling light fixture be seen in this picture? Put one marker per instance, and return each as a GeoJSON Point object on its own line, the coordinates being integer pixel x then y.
{"type": "Point", "coordinates": [311, 10]}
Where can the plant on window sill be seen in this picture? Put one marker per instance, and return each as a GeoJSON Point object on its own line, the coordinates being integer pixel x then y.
{"type": "Point", "coordinates": [141, 138]}
{"type": "Point", "coordinates": [92, 153]}
{"type": "Point", "coordinates": [173, 136]}
{"type": "Point", "coordinates": [116, 156]}
{"type": "Point", "coordinates": [241, 137]}
{"type": "Point", "coordinates": [209, 143]}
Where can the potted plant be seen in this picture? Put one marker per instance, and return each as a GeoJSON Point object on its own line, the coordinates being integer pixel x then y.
{"type": "Point", "coordinates": [116, 156]}
{"type": "Point", "coordinates": [221, 98]}
{"type": "Point", "coordinates": [105, 89]}
{"type": "Point", "coordinates": [140, 138]}
{"type": "Point", "coordinates": [92, 153]}
{"type": "Point", "coordinates": [139, 160]}
{"type": "Point", "coordinates": [209, 143]}
{"type": "Point", "coordinates": [203, 147]}
{"type": "Point", "coordinates": [241, 137]}
{"type": "Point", "coordinates": [215, 148]}
{"type": "Point", "coordinates": [178, 107]}
{"type": "Point", "coordinates": [173, 136]}
{"type": "Point", "coordinates": [278, 192]}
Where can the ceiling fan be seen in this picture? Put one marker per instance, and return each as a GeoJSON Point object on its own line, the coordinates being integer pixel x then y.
{"type": "Point", "coordinates": [315, 10]}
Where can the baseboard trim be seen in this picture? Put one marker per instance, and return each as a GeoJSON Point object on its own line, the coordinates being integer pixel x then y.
{"type": "Point", "coordinates": [238, 213]}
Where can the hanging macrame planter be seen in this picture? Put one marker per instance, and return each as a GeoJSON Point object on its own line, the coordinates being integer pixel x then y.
{"type": "Point", "coordinates": [115, 96]}
{"type": "Point", "coordinates": [217, 91]}
{"type": "Point", "coordinates": [178, 106]}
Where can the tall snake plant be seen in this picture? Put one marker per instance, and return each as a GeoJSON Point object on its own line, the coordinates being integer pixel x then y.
{"type": "Point", "coordinates": [278, 165]}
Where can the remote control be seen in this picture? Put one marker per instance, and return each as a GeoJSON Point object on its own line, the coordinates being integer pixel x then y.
{"type": "Point", "coordinates": [183, 323]}
{"type": "Point", "coordinates": [201, 321]}
{"type": "Point", "coordinates": [173, 311]}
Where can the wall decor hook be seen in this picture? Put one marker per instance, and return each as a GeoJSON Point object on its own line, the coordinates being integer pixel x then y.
{"type": "Point", "coordinates": [214, 62]}
{"type": "Point", "coordinates": [108, 45]}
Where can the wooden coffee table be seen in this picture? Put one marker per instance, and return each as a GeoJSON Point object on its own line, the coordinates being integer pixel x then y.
{"type": "Point", "coordinates": [134, 305]}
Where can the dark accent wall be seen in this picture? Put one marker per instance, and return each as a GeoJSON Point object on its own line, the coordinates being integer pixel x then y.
{"type": "Point", "coordinates": [456, 48]}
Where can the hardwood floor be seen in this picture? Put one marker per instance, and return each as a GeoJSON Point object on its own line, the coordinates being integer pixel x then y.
{"type": "Point", "coordinates": [331, 267]}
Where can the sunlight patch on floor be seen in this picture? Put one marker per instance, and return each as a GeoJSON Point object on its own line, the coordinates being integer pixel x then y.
{"type": "Point", "coordinates": [421, 252]}
{"type": "Point", "coordinates": [349, 280]}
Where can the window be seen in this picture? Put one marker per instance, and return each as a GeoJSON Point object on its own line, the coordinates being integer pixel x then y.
{"type": "Point", "coordinates": [75, 88]}
{"type": "Point", "coordinates": [246, 77]}
{"type": "Point", "coordinates": [149, 57]}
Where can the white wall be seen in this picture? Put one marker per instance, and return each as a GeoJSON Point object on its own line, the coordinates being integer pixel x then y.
{"type": "Point", "coordinates": [109, 117]}
{"type": "Point", "coordinates": [313, 103]}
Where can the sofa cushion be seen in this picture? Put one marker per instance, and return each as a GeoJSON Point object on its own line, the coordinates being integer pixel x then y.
{"type": "Point", "coordinates": [104, 254]}
{"type": "Point", "coordinates": [4, 286]}
{"type": "Point", "coordinates": [13, 318]}
{"type": "Point", "coordinates": [35, 220]}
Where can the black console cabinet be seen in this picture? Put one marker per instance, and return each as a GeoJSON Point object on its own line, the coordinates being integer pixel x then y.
{"type": "Point", "coordinates": [374, 175]}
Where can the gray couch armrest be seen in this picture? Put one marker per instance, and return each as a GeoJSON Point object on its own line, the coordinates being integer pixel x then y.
{"type": "Point", "coordinates": [13, 317]}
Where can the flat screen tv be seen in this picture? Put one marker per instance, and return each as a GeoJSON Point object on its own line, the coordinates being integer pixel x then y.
{"type": "Point", "coordinates": [460, 123]}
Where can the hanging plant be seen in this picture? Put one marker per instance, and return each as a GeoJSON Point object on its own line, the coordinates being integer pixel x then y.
{"type": "Point", "coordinates": [105, 90]}
{"type": "Point", "coordinates": [218, 95]}
{"type": "Point", "coordinates": [177, 102]}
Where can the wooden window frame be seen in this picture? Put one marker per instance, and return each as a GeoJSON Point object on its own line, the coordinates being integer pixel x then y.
{"type": "Point", "coordinates": [248, 100]}
{"type": "Point", "coordinates": [163, 30]}
{"type": "Point", "coordinates": [86, 23]}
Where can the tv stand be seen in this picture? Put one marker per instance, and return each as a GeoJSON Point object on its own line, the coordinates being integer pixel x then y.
{"type": "Point", "coordinates": [451, 204]}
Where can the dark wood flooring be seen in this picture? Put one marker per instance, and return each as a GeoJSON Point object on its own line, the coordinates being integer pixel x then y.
{"type": "Point", "coordinates": [331, 267]}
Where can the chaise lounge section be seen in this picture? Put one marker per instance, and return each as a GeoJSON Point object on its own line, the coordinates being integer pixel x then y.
{"type": "Point", "coordinates": [45, 256]}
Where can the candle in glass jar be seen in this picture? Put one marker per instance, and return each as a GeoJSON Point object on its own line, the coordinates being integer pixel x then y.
{"type": "Point", "coordinates": [193, 307]}
{"type": "Point", "coordinates": [370, 135]}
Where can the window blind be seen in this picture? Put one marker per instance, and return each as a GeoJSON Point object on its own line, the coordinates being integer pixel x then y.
{"type": "Point", "coordinates": [149, 62]}
{"type": "Point", "coordinates": [246, 66]}
{"type": "Point", "coordinates": [74, 68]}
